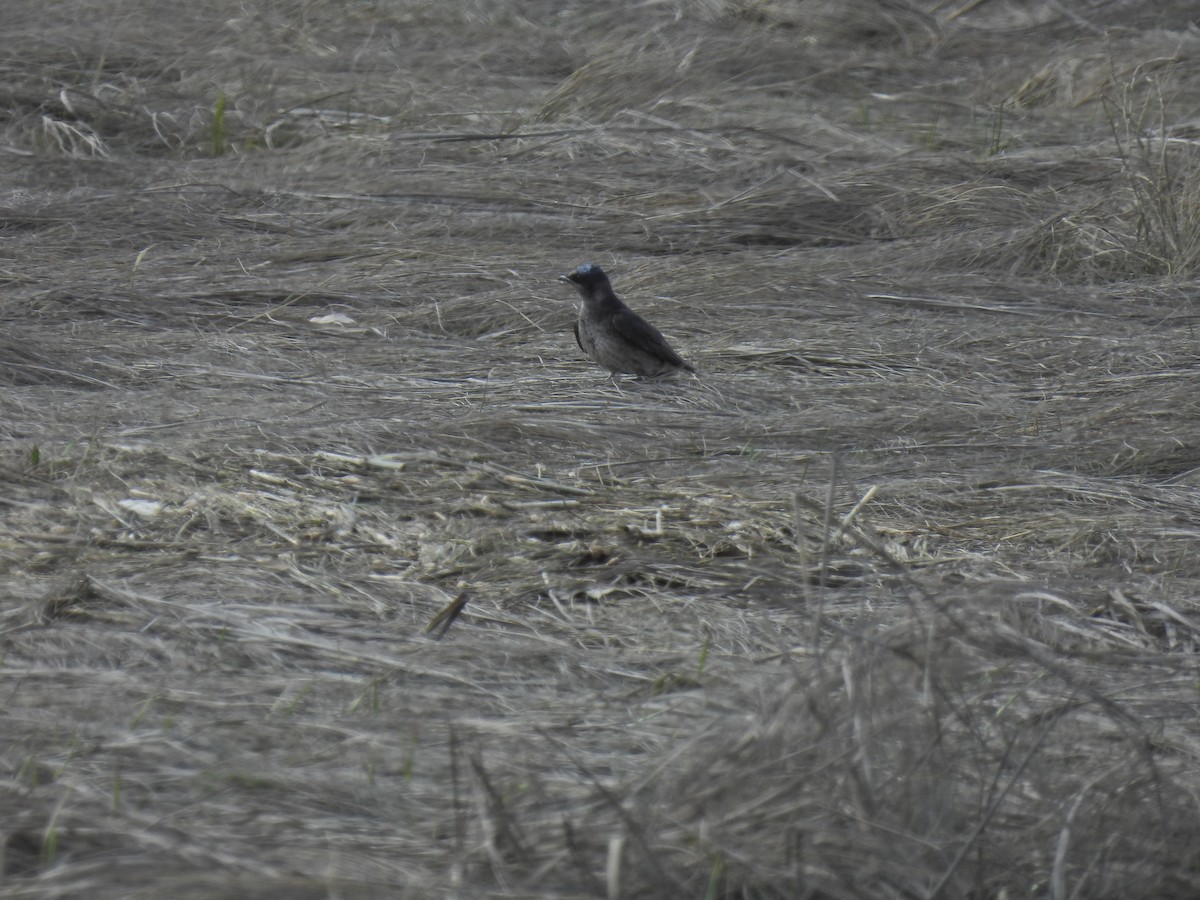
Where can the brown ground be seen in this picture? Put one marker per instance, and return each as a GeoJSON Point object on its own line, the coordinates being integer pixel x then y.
{"type": "Point", "coordinates": [898, 599]}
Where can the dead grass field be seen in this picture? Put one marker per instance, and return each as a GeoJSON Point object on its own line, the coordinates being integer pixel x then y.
{"type": "Point", "coordinates": [899, 599]}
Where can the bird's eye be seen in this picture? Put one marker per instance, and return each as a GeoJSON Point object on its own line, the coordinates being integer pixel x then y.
{"type": "Point", "coordinates": [584, 269]}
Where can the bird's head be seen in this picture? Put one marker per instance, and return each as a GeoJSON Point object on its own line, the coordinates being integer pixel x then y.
{"type": "Point", "coordinates": [586, 277]}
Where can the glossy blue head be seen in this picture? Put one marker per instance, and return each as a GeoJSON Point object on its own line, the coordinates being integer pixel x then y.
{"type": "Point", "coordinates": [586, 275]}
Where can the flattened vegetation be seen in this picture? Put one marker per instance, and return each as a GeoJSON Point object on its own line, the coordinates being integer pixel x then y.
{"type": "Point", "coordinates": [896, 599]}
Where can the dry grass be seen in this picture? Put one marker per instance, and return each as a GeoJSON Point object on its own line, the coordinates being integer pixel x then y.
{"type": "Point", "coordinates": [897, 599]}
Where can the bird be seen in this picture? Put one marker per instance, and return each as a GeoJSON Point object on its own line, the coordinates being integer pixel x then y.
{"type": "Point", "coordinates": [614, 335]}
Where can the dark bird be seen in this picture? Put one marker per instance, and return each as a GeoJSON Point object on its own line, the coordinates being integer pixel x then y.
{"type": "Point", "coordinates": [614, 335]}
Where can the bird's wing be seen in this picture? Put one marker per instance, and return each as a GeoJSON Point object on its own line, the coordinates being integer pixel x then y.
{"type": "Point", "coordinates": [645, 336]}
{"type": "Point", "coordinates": [577, 340]}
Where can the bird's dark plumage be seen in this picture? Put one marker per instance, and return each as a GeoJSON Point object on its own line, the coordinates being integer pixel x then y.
{"type": "Point", "coordinates": [614, 335]}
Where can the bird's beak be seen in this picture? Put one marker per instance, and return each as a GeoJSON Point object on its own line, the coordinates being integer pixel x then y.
{"type": "Point", "coordinates": [567, 278]}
